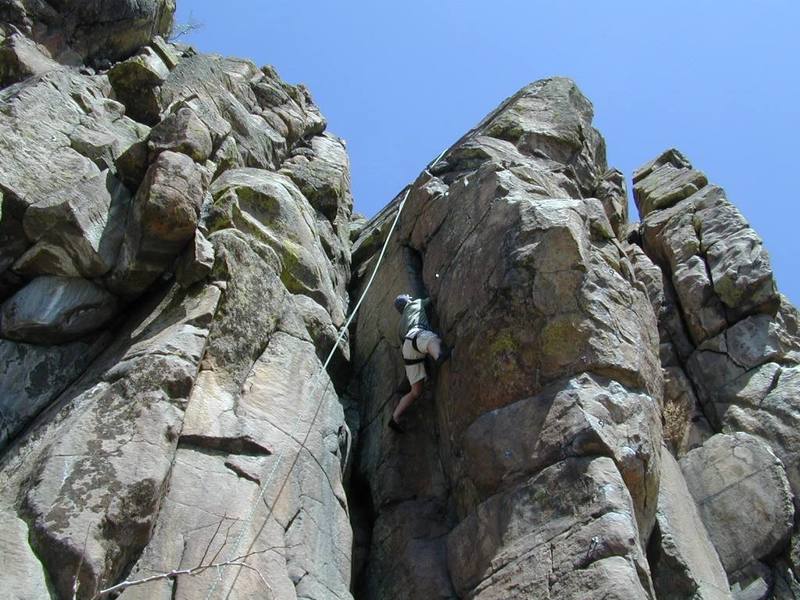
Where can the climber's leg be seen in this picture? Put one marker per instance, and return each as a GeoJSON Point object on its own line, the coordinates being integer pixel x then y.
{"type": "Point", "coordinates": [407, 400]}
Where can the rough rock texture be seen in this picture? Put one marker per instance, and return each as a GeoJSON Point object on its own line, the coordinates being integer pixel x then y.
{"type": "Point", "coordinates": [730, 348]}
{"type": "Point", "coordinates": [530, 282]}
{"type": "Point", "coordinates": [178, 254]}
{"type": "Point", "coordinates": [684, 561]}
{"type": "Point", "coordinates": [74, 32]}
{"type": "Point", "coordinates": [743, 496]}
{"type": "Point", "coordinates": [174, 256]}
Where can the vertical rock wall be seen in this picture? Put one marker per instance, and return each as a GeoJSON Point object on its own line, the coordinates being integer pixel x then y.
{"type": "Point", "coordinates": [175, 252]}
{"type": "Point", "coordinates": [730, 349]}
{"type": "Point", "coordinates": [532, 465]}
{"type": "Point", "coordinates": [618, 418]}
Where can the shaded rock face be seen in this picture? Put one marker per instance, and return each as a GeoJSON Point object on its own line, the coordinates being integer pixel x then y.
{"type": "Point", "coordinates": [75, 32]}
{"type": "Point", "coordinates": [174, 256]}
{"type": "Point", "coordinates": [178, 255]}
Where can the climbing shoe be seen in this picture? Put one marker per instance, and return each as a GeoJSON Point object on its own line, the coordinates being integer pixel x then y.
{"type": "Point", "coordinates": [444, 354]}
{"type": "Point", "coordinates": [395, 426]}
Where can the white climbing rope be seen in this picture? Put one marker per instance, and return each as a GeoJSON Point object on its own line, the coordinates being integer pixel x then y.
{"type": "Point", "coordinates": [264, 486]}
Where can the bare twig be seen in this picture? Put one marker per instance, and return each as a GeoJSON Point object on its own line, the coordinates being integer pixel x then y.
{"type": "Point", "coordinates": [181, 29]}
{"type": "Point", "coordinates": [234, 562]}
{"type": "Point", "coordinates": [213, 537]}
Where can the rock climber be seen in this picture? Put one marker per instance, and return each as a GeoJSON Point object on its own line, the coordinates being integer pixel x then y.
{"type": "Point", "coordinates": [417, 341]}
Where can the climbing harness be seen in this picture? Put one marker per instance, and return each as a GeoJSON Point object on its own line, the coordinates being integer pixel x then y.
{"type": "Point", "coordinates": [413, 338]}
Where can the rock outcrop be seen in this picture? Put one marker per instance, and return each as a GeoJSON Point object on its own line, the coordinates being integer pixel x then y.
{"type": "Point", "coordinates": [183, 412]}
{"type": "Point", "coordinates": [533, 466]}
{"type": "Point", "coordinates": [174, 264]}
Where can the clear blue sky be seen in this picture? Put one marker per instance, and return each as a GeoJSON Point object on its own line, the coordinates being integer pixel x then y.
{"type": "Point", "coordinates": [400, 81]}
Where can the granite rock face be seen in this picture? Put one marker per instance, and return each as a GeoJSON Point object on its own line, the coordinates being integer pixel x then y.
{"type": "Point", "coordinates": [96, 31]}
{"type": "Point", "coordinates": [183, 413]}
{"type": "Point", "coordinates": [531, 283]}
{"type": "Point", "coordinates": [174, 256]}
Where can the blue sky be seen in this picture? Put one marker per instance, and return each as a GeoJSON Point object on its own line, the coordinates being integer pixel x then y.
{"type": "Point", "coordinates": [400, 81]}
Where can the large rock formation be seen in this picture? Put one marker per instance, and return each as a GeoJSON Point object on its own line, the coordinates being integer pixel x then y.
{"type": "Point", "coordinates": [541, 439]}
{"type": "Point", "coordinates": [618, 419]}
{"type": "Point", "coordinates": [169, 290]}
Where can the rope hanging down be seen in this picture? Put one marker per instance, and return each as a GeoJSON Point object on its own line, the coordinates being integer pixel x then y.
{"type": "Point", "coordinates": [251, 515]}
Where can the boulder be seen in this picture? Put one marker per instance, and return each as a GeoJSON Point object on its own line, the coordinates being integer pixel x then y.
{"type": "Point", "coordinates": [715, 261]}
{"type": "Point", "coordinates": [76, 232]}
{"type": "Point", "coordinates": [182, 131]}
{"type": "Point", "coordinates": [136, 83]}
{"type": "Point", "coordinates": [21, 58]}
{"type": "Point", "coordinates": [163, 219]}
{"type": "Point", "coordinates": [270, 207]}
{"type": "Point", "coordinates": [665, 181]}
{"type": "Point", "coordinates": [568, 532]}
{"type": "Point", "coordinates": [743, 497]}
{"type": "Point", "coordinates": [323, 175]}
{"type": "Point", "coordinates": [54, 310]}
{"type": "Point", "coordinates": [585, 416]}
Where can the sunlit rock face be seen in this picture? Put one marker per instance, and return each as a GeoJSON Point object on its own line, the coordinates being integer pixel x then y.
{"type": "Point", "coordinates": [537, 450]}
{"type": "Point", "coordinates": [178, 256]}
{"type": "Point", "coordinates": [174, 256]}
{"type": "Point", "coordinates": [590, 355]}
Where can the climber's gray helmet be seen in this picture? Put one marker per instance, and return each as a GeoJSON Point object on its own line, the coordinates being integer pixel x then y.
{"type": "Point", "coordinates": [401, 301]}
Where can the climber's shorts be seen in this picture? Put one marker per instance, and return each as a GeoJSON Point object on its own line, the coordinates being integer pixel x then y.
{"type": "Point", "coordinates": [416, 372]}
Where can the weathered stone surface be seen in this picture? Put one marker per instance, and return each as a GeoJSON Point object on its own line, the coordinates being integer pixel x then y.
{"type": "Point", "coordinates": [585, 416]}
{"type": "Point", "coordinates": [743, 496]}
{"type": "Point", "coordinates": [682, 558]}
{"type": "Point", "coordinates": [163, 219]}
{"type": "Point", "coordinates": [37, 160]}
{"type": "Point", "coordinates": [613, 193]}
{"type": "Point", "coordinates": [717, 264]}
{"type": "Point", "coordinates": [207, 428]}
{"type": "Point", "coordinates": [323, 175]}
{"type": "Point", "coordinates": [302, 540]}
{"type": "Point", "coordinates": [98, 31]}
{"type": "Point", "coordinates": [664, 182]}
{"type": "Point", "coordinates": [568, 532]}
{"type": "Point", "coordinates": [136, 83]}
{"type": "Point", "coordinates": [76, 232]}
{"type": "Point", "coordinates": [269, 207]}
{"type": "Point", "coordinates": [21, 573]}
{"type": "Point", "coordinates": [530, 282]}
{"type": "Point", "coordinates": [182, 131]}
{"type": "Point", "coordinates": [103, 459]}
{"type": "Point", "coordinates": [196, 262]}
{"type": "Point", "coordinates": [102, 463]}
{"type": "Point", "coordinates": [31, 377]}
{"type": "Point", "coordinates": [52, 310]}
{"type": "Point", "coordinates": [21, 58]}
